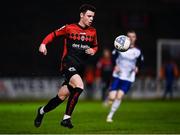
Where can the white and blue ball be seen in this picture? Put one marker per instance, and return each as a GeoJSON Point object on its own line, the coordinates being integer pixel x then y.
{"type": "Point", "coordinates": [122, 43]}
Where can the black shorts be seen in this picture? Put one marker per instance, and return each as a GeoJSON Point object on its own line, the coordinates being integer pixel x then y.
{"type": "Point", "coordinates": [69, 69]}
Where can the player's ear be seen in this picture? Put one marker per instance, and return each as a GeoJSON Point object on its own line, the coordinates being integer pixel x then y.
{"type": "Point", "coordinates": [81, 14]}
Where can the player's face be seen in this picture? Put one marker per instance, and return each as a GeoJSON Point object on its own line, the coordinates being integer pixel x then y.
{"type": "Point", "coordinates": [106, 53]}
{"type": "Point", "coordinates": [132, 37]}
{"type": "Point", "coordinates": [87, 17]}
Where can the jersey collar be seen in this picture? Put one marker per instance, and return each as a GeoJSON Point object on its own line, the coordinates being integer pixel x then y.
{"type": "Point", "coordinates": [81, 26]}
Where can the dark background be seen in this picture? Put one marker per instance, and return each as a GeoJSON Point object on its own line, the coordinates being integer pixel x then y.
{"type": "Point", "coordinates": [24, 24]}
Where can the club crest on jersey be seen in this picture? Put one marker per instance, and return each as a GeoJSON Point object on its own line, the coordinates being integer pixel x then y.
{"type": "Point", "coordinates": [82, 37]}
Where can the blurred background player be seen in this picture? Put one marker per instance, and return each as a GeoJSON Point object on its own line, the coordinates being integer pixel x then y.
{"type": "Point", "coordinates": [104, 69]}
{"type": "Point", "coordinates": [89, 77]}
{"type": "Point", "coordinates": [169, 72]}
{"type": "Point", "coordinates": [125, 69]}
{"type": "Point", "coordinates": [80, 43]}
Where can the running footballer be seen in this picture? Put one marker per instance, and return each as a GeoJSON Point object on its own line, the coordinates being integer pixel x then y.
{"type": "Point", "coordinates": [80, 42]}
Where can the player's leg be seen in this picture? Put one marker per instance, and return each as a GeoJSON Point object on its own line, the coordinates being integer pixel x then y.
{"type": "Point", "coordinates": [77, 86]}
{"type": "Point", "coordinates": [166, 89]}
{"type": "Point", "coordinates": [113, 90]}
{"type": "Point", "coordinates": [171, 89]}
{"type": "Point", "coordinates": [124, 87]}
{"type": "Point", "coordinates": [112, 97]}
{"type": "Point", "coordinates": [52, 104]}
{"type": "Point", "coordinates": [104, 92]}
{"type": "Point", "coordinates": [115, 105]}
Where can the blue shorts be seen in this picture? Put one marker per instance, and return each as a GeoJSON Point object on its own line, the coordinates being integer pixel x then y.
{"type": "Point", "coordinates": [118, 84]}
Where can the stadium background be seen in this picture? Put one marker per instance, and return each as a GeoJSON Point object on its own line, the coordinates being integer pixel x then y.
{"type": "Point", "coordinates": [25, 24]}
{"type": "Point", "coordinates": [27, 75]}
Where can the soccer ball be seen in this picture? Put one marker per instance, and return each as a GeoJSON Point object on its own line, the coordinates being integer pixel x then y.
{"type": "Point", "coordinates": [122, 43]}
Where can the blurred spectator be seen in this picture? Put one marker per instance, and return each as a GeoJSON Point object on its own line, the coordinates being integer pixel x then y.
{"type": "Point", "coordinates": [89, 78]}
{"type": "Point", "coordinates": [3, 89]}
{"type": "Point", "coordinates": [104, 69]}
{"type": "Point", "coordinates": [169, 72]}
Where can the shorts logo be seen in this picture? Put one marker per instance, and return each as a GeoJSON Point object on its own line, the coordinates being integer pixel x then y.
{"type": "Point", "coordinates": [72, 69]}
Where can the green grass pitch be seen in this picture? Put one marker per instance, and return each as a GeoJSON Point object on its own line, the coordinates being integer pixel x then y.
{"type": "Point", "coordinates": [135, 117]}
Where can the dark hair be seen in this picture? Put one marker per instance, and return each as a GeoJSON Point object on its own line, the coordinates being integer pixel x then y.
{"type": "Point", "coordinates": [131, 31]}
{"type": "Point", "coordinates": [86, 7]}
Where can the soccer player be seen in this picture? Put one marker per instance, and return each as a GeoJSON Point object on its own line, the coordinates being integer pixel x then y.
{"type": "Point", "coordinates": [126, 67]}
{"type": "Point", "coordinates": [169, 72]}
{"type": "Point", "coordinates": [103, 71]}
{"type": "Point", "coordinates": [80, 42]}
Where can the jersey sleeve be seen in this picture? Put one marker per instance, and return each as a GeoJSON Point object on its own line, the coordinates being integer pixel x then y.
{"type": "Point", "coordinates": [51, 36]}
{"type": "Point", "coordinates": [115, 54]}
{"type": "Point", "coordinates": [140, 61]}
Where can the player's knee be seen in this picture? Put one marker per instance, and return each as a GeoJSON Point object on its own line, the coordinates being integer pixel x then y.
{"type": "Point", "coordinates": [120, 95]}
{"type": "Point", "coordinates": [62, 97]}
{"type": "Point", "coordinates": [111, 99]}
{"type": "Point", "coordinates": [79, 85]}
{"type": "Point", "coordinates": [63, 92]}
{"type": "Point", "coordinates": [112, 95]}
{"type": "Point", "coordinates": [119, 98]}
{"type": "Point", "coordinates": [76, 82]}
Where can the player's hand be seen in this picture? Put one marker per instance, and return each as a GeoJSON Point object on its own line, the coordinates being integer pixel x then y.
{"type": "Point", "coordinates": [136, 70]}
{"type": "Point", "coordinates": [117, 69]}
{"type": "Point", "coordinates": [90, 51]}
{"type": "Point", "coordinates": [43, 49]}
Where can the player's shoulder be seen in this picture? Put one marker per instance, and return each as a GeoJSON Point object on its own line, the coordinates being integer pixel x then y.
{"type": "Point", "coordinates": [78, 26]}
{"type": "Point", "coordinates": [67, 27]}
{"type": "Point", "coordinates": [71, 25]}
{"type": "Point", "coordinates": [137, 48]}
{"type": "Point", "coordinates": [91, 28]}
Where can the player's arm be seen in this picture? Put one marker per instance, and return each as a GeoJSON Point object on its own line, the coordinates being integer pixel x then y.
{"type": "Point", "coordinates": [139, 63]}
{"type": "Point", "coordinates": [115, 54]}
{"type": "Point", "coordinates": [92, 51]}
{"type": "Point", "coordinates": [117, 69]}
{"type": "Point", "coordinates": [50, 37]}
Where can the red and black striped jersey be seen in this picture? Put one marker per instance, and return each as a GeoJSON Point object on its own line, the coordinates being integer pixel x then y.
{"type": "Point", "coordinates": [76, 41]}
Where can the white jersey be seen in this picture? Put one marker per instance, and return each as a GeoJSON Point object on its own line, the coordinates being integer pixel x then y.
{"type": "Point", "coordinates": [126, 61]}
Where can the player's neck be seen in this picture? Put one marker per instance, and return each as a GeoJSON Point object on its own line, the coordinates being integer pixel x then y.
{"type": "Point", "coordinates": [81, 24]}
{"type": "Point", "coordinates": [132, 46]}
